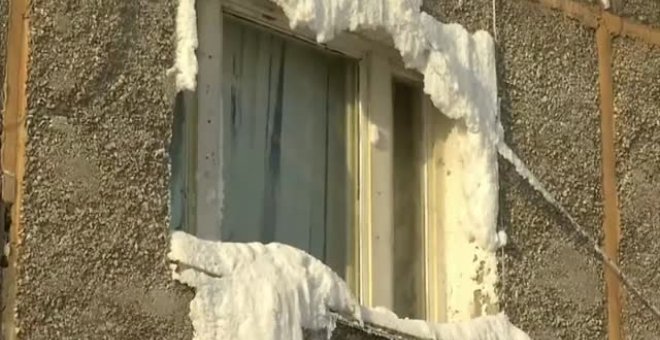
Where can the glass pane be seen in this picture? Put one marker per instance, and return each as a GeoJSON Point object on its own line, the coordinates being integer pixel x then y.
{"type": "Point", "coordinates": [181, 150]}
{"type": "Point", "coordinates": [285, 163]}
{"type": "Point", "coordinates": [408, 218]}
{"type": "Point", "coordinates": [178, 166]}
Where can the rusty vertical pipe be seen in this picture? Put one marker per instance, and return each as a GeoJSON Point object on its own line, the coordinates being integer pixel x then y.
{"type": "Point", "coordinates": [611, 220]}
{"type": "Point", "coordinates": [12, 152]}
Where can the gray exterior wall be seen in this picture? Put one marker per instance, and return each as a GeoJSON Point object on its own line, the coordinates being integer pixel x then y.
{"type": "Point", "coordinates": [548, 73]}
{"type": "Point", "coordinates": [637, 102]}
{"type": "Point", "coordinates": [95, 210]}
{"type": "Point", "coordinates": [96, 199]}
{"type": "Point", "coordinates": [96, 194]}
{"type": "Point", "coordinates": [548, 82]}
{"type": "Point", "coordinates": [644, 11]}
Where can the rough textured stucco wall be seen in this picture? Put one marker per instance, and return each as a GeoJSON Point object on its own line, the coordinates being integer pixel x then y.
{"type": "Point", "coordinates": [644, 11]}
{"type": "Point", "coordinates": [637, 104]}
{"type": "Point", "coordinates": [547, 65]}
{"type": "Point", "coordinates": [95, 211]}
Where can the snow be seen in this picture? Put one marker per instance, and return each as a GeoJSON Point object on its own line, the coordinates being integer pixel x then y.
{"type": "Point", "coordinates": [185, 64]}
{"type": "Point", "coordinates": [265, 292]}
{"type": "Point", "coordinates": [247, 291]}
{"type": "Point", "coordinates": [271, 291]}
{"type": "Point", "coordinates": [605, 3]}
{"type": "Point", "coordinates": [459, 76]}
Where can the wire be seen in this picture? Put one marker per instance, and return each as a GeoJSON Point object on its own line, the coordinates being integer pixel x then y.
{"type": "Point", "coordinates": [522, 169]}
{"type": "Point", "coordinates": [494, 8]}
{"type": "Point", "coordinates": [610, 264]}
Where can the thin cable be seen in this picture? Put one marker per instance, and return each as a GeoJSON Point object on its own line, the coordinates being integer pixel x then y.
{"type": "Point", "coordinates": [522, 169]}
{"type": "Point", "coordinates": [494, 8]}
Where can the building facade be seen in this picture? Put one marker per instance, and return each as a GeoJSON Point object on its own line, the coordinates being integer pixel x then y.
{"type": "Point", "coordinates": [96, 142]}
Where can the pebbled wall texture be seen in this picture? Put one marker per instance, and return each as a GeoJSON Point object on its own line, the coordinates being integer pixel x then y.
{"type": "Point", "coordinates": [548, 81]}
{"type": "Point", "coordinates": [637, 103]}
{"type": "Point", "coordinates": [647, 12]}
{"type": "Point", "coordinates": [547, 70]}
{"type": "Point", "coordinates": [95, 210]}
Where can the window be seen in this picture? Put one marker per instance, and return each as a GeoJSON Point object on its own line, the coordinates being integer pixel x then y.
{"type": "Point", "coordinates": [285, 168]}
{"type": "Point", "coordinates": [408, 201]}
{"type": "Point", "coordinates": [321, 147]}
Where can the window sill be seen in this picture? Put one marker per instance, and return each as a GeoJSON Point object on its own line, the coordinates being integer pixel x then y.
{"type": "Point", "coordinates": [349, 329]}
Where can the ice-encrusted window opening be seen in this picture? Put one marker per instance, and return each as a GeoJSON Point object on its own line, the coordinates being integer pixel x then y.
{"type": "Point", "coordinates": [458, 71]}
{"type": "Point", "coordinates": [250, 291]}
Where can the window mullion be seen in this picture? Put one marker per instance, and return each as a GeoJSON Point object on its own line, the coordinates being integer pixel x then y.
{"type": "Point", "coordinates": [209, 183]}
{"type": "Point", "coordinates": [376, 185]}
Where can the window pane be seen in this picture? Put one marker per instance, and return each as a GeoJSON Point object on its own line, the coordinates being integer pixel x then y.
{"type": "Point", "coordinates": [182, 144]}
{"type": "Point", "coordinates": [178, 166]}
{"type": "Point", "coordinates": [408, 218]}
{"type": "Point", "coordinates": [285, 164]}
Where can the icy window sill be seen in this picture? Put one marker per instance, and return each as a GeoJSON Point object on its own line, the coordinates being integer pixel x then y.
{"type": "Point", "coordinates": [348, 329]}
{"type": "Point", "coordinates": [248, 291]}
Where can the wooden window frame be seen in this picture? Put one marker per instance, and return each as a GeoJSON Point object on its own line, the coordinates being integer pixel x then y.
{"type": "Point", "coordinates": [372, 155]}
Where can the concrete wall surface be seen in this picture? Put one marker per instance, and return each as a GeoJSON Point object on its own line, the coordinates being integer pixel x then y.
{"type": "Point", "coordinates": [637, 103]}
{"type": "Point", "coordinates": [95, 210]}
{"type": "Point", "coordinates": [551, 286]}
{"type": "Point", "coordinates": [547, 68]}
{"type": "Point", "coordinates": [642, 11]}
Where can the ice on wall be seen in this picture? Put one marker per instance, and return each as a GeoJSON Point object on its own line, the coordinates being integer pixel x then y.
{"type": "Point", "coordinates": [272, 291]}
{"type": "Point", "coordinates": [185, 66]}
{"type": "Point", "coordinates": [264, 292]}
{"type": "Point", "coordinates": [605, 3]}
{"type": "Point", "coordinates": [459, 76]}
{"type": "Point", "coordinates": [247, 291]}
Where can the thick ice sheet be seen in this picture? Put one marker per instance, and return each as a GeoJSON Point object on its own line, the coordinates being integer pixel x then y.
{"type": "Point", "coordinates": [247, 291]}
{"type": "Point", "coordinates": [459, 76]}
{"type": "Point", "coordinates": [185, 66]}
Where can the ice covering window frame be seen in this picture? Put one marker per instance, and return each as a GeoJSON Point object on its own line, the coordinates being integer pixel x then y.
{"type": "Point", "coordinates": [379, 63]}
